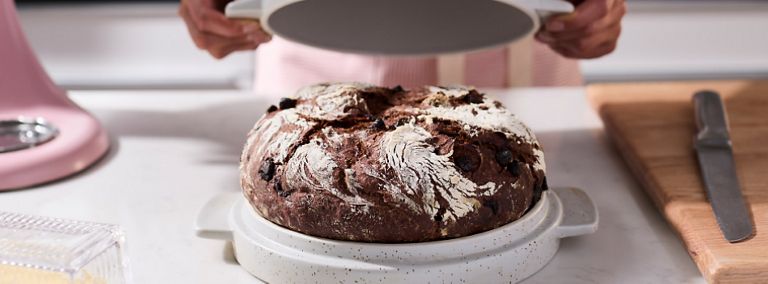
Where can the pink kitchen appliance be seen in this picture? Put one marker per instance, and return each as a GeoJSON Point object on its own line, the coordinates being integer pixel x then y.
{"type": "Point", "coordinates": [44, 136]}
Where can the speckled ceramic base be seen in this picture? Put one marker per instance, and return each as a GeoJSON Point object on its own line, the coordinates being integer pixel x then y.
{"type": "Point", "coordinates": [506, 254]}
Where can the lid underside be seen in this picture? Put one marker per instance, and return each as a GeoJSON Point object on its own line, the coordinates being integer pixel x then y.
{"type": "Point", "coordinates": [401, 27]}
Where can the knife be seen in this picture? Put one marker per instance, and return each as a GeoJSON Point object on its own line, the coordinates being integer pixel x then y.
{"type": "Point", "coordinates": [713, 148]}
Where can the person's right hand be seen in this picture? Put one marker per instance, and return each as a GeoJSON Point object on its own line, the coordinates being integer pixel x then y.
{"type": "Point", "coordinates": [214, 32]}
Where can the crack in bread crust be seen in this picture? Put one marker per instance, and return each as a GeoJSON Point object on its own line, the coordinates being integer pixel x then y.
{"type": "Point", "coordinates": [365, 163]}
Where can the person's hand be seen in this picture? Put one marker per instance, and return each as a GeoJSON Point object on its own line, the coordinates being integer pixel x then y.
{"type": "Point", "coordinates": [591, 31]}
{"type": "Point", "coordinates": [214, 32]}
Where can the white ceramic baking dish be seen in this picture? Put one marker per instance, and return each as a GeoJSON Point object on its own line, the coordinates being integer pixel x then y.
{"type": "Point", "coordinates": [509, 253]}
{"type": "Point", "coordinates": [399, 27]}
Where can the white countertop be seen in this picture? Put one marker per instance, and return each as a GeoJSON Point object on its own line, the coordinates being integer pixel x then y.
{"type": "Point", "coordinates": [173, 151]}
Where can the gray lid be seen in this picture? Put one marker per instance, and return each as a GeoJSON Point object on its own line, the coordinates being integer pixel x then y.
{"type": "Point", "coordinates": [401, 27]}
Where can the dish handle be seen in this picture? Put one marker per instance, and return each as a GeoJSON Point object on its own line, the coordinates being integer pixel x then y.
{"type": "Point", "coordinates": [547, 8]}
{"type": "Point", "coordinates": [579, 213]}
{"type": "Point", "coordinates": [213, 220]}
{"type": "Point", "coordinates": [243, 9]}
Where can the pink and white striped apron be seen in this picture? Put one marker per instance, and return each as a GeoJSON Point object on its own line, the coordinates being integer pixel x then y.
{"type": "Point", "coordinates": [284, 66]}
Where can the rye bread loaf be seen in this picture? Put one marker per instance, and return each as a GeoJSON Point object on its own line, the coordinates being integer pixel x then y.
{"type": "Point", "coordinates": [365, 163]}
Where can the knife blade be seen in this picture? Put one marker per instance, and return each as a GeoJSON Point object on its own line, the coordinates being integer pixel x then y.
{"type": "Point", "coordinates": [713, 148]}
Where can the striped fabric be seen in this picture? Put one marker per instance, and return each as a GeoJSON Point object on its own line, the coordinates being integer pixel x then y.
{"type": "Point", "coordinates": [284, 66]}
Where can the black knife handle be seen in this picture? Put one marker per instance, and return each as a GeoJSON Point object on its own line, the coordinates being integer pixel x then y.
{"type": "Point", "coordinates": [710, 119]}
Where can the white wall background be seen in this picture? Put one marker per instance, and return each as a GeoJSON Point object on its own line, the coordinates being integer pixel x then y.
{"type": "Point", "coordinates": [126, 46]}
{"type": "Point", "coordinates": [688, 40]}
{"type": "Point", "coordinates": [146, 46]}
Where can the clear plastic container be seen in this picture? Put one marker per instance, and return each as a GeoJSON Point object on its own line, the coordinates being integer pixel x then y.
{"type": "Point", "coordinates": [51, 251]}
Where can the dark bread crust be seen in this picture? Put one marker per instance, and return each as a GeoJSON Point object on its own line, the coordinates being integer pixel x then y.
{"type": "Point", "coordinates": [364, 163]}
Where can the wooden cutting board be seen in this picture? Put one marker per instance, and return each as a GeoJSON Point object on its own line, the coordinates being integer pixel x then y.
{"type": "Point", "coordinates": [652, 125]}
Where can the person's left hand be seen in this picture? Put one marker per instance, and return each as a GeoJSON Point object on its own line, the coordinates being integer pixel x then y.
{"type": "Point", "coordinates": [591, 31]}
